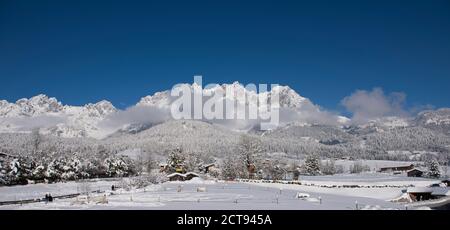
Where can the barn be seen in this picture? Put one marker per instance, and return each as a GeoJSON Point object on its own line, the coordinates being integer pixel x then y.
{"type": "Point", "coordinates": [419, 193]}
{"type": "Point", "coordinates": [427, 193]}
{"type": "Point", "coordinates": [190, 175]}
{"type": "Point", "coordinates": [414, 173]}
{"type": "Point", "coordinates": [176, 177]}
{"type": "Point", "coordinates": [208, 167]}
{"type": "Point", "coordinates": [182, 177]}
{"type": "Point", "coordinates": [397, 168]}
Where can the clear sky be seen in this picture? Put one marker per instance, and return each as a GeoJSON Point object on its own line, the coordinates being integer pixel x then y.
{"type": "Point", "coordinates": [85, 51]}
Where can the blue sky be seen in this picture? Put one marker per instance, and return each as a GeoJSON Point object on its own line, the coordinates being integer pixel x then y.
{"type": "Point", "coordinates": [85, 51]}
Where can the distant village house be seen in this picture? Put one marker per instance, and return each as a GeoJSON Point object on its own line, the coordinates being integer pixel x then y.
{"type": "Point", "coordinates": [208, 167]}
{"type": "Point", "coordinates": [182, 177]}
{"type": "Point", "coordinates": [414, 173]}
{"type": "Point", "coordinates": [397, 168]}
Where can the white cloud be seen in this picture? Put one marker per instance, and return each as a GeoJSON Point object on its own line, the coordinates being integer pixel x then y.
{"type": "Point", "coordinates": [30, 123]}
{"type": "Point", "coordinates": [135, 115]}
{"type": "Point", "coordinates": [368, 105]}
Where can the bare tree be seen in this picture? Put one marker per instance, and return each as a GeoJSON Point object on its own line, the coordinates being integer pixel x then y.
{"type": "Point", "coordinates": [36, 139]}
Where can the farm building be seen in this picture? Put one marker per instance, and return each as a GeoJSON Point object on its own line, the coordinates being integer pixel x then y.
{"type": "Point", "coordinates": [420, 193]}
{"type": "Point", "coordinates": [176, 177]}
{"type": "Point", "coordinates": [427, 193]}
{"type": "Point", "coordinates": [208, 167]}
{"type": "Point", "coordinates": [190, 175]}
{"type": "Point", "coordinates": [397, 168]}
{"type": "Point", "coordinates": [414, 173]}
{"type": "Point", "coordinates": [182, 177]}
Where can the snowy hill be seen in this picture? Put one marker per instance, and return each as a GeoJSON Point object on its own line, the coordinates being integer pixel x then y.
{"type": "Point", "coordinates": [192, 136]}
{"type": "Point", "coordinates": [435, 119]}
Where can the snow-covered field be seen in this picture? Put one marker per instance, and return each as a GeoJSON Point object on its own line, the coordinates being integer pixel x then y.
{"type": "Point", "coordinates": [221, 195]}
{"type": "Point", "coordinates": [367, 179]}
{"type": "Point", "coordinates": [371, 185]}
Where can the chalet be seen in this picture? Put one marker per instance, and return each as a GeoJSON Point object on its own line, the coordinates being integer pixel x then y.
{"type": "Point", "coordinates": [419, 193]}
{"type": "Point", "coordinates": [190, 175]}
{"type": "Point", "coordinates": [427, 193]}
{"type": "Point", "coordinates": [182, 177]}
{"type": "Point", "coordinates": [397, 168]}
{"type": "Point", "coordinates": [208, 167]}
{"type": "Point", "coordinates": [414, 173]}
{"type": "Point", "coordinates": [176, 177]}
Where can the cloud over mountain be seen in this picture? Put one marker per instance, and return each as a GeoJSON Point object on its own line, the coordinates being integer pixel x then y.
{"type": "Point", "coordinates": [102, 119]}
{"type": "Point", "coordinates": [368, 105]}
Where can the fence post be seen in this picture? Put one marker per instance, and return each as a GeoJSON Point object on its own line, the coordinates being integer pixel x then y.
{"type": "Point", "coordinates": [356, 205]}
{"type": "Point", "coordinates": [320, 200]}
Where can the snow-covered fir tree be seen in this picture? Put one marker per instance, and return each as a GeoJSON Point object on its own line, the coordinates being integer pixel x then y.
{"type": "Point", "coordinates": [433, 169]}
{"type": "Point", "coordinates": [312, 165]}
{"type": "Point", "coordinates": [117, 167]}
{"type": "Point", "coordinates": [175, 160]}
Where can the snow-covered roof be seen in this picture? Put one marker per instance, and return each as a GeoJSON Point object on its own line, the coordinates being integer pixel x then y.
{"type": "Point", "coordinates": [398, 166]}
{"type": "Point", "coordinates": [183, 175]}
{"type": "Point", "coordinates": [419, 190]}
{"type": "Point", "coordinates": [414, 170]}
{"type": "Point", "coordinates": [441, 191]}
{"type": "Point", "coordinates": [176, 174]}
{"type": "Point", "coordinates": [191, 173]}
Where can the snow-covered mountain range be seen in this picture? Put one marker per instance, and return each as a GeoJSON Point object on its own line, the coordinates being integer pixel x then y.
{"type": "Point", "coordinates": [53, 117]}
{"type": "Point", "coordinates": [91, 120]}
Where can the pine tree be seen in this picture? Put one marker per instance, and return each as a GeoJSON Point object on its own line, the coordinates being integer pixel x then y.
{"type": "Point", "coordinates": [433, 169]}
{"type": "Point", "coordinates": [312, 165]}
{"type": "Point", "coordinates": [176, 161]}
{"type": "Point", "coordinates": [117, 167]}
